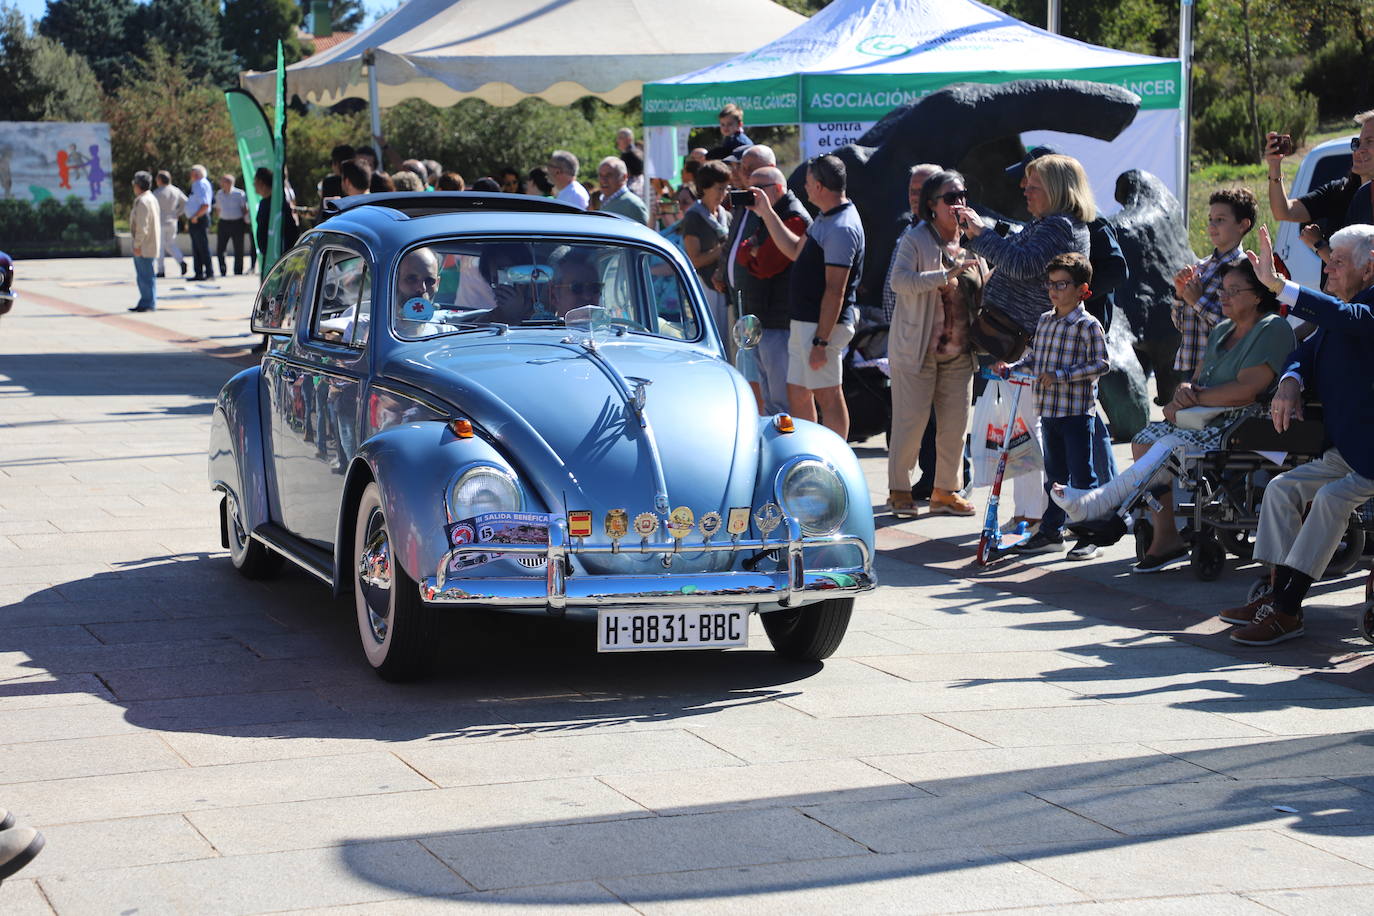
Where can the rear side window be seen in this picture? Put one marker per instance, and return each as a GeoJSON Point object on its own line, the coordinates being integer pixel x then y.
{"type": "Point", "coordinates": [1330, 168]}
{"type": "Point", "coordinates": [274, 312]}
{"type": "Point", "coordinates": [343, 306]}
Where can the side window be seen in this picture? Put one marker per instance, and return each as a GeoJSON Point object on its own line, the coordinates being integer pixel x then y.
{"type": "Point", "coordinates": [343, 299]}
{"type": "Point", "coordinates": [274, 311]}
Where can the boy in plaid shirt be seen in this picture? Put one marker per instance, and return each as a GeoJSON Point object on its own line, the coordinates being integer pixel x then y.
{"type": "Point", "coordinates": [1068, 354]}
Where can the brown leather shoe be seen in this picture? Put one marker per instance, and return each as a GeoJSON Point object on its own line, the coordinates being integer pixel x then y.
{"type": "Point", "coordinates": [901, 505]}
{"type": "Point", "coordinates": [1271, 626]}
{"type": "Point", "coordinates": [943, 502]}
{"type": "Point", "coordinates": [1245, 614]}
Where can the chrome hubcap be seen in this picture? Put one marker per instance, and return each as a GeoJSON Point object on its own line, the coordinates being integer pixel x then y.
{"type": "Point", "coordinates": [374, 575]}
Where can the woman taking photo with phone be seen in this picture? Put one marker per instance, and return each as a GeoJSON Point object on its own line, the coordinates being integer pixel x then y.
{"type": "Point", "coordinates": [935, 280]}
{"type": "Point", "coordinates": [705, 227]}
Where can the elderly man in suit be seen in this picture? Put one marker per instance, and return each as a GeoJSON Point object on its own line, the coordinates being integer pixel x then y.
{"type": "Point", "coordinates": [1334, 363]}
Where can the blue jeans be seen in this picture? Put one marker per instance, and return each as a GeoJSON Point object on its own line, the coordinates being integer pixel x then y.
{"type": "Point", "coordinates": [1068, 443]}
{"type": "Point", "coordinates": [145, 271]}
{"type": "Point", "coordinates": [1104, 462]}
{"type": "Point", "coordinates": [772, 356]}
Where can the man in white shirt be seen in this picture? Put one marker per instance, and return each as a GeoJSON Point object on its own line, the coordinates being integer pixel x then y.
{"type": "Point", "coordinates": [563, 168]}
{"type": "Point", "coordinates": [231, 206]}
{"type": "Point", "coordinates": [170, 202]}
{"type": "Point", "coordinates": [198, 203]}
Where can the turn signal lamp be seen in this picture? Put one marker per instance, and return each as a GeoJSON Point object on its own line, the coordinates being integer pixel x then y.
{"type": "Point", "coordinates": [784, 423]}
{"type": "Point", "coordinates": [461, 428]}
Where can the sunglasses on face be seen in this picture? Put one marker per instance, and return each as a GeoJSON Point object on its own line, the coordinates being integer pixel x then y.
{"type": "Point", "coordinates": [953, 197]}
{"type": "Point", "coordinates": [1354, 143]}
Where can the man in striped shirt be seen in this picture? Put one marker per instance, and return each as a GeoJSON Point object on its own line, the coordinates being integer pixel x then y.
{"type": "Point", "coordinates": [1067, 357]}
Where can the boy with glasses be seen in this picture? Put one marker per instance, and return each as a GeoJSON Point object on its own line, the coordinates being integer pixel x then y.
{"type": "Point", "coordinates": [1067, 358]}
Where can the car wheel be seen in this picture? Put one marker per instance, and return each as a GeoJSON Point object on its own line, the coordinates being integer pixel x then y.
{"type": "Point", "coordinates": [1349, 551]}
{"type": "Point", "coordinates": [253, 559]}
{"type": "Point", "coordinates": [396, 627]}
{"type": "Point", "coordinates": [809, 633]}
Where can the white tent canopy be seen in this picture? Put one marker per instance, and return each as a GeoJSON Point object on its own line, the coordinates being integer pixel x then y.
{"type": "Point", "coordinates": [501, 51]}
{"type": "Point", "coordinates": [842, 70]}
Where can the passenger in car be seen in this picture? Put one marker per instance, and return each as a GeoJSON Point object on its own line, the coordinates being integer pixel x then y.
{"type": "Point", "coordinates": [576, 283]}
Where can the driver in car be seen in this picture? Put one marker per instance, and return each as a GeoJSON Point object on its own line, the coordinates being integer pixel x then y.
{"type": "Point", "coordinates": [416, 280]}
{"type": "Point", "coordinates": [576, 283]}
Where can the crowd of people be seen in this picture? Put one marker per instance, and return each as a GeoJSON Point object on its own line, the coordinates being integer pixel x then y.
{"type": "Point", "coordinates": [962, 293]}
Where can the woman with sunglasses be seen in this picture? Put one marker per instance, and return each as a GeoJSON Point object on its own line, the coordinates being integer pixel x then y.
{"type": "Point", "coordinates": [1245, 353]}
{"type": "Point", "coordinates": [935, 281]}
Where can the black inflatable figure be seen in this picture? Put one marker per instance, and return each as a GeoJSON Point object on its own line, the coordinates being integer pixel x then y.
{"type": "Point", "coordinates": [976, 129]}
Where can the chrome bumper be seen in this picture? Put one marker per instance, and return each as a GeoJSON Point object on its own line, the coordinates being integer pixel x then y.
{"type": "Point", "coordinates": [789, 585]}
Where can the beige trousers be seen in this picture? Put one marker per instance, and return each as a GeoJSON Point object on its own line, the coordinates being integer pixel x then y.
{"type": "Point", "coordinates": [948, 385]}
{"type": "Point", "coordinates": [1307, 545]}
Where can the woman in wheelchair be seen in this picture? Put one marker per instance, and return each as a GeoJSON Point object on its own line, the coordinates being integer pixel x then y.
{"type": "Point", "coordinates": [1246, 351]}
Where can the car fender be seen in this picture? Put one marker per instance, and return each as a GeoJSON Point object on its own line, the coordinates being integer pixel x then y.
{"type": "Point", "coordinates": [236, 453]}
{"type": "Point", "coordinates": [413, 465]}
{"type": "Point", "coordinates": [815, 440]}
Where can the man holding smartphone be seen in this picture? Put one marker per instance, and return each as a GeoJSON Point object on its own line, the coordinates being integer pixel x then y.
{"type": "Point", "coordinates": [821, 293]}
{"type": "Point", "coordinates": [1344, 202]}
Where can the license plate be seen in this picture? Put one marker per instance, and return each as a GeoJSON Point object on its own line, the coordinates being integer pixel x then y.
{"type": "Point", "coordinates": [640, 631]}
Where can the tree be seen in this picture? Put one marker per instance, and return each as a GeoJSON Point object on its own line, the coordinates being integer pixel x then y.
{"type": "Point", "coordinates": [252, 28]}
{"type": "Point", "coordinates": [95, 29]}
{"type": "Point", "coordinates": [344, 15]}
{"type": "Point", "coordinates": [45, 81]}
{"type": "Point", "coordinates": [162, 119]}
{"type": "Point", "coordinates": [190, 30]}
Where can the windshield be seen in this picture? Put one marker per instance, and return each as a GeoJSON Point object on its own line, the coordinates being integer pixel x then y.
{"type": "Point", "coordinates": [446, 287]}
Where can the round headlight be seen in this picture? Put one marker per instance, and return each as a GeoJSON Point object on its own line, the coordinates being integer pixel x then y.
{"type": "Point", "coordinates": [483, 489]}
{"type": "Point", "coordinates": [815, 496]}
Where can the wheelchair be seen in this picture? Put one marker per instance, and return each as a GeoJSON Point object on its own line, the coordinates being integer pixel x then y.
{"type": "Point", "coordinates": [1217, 494]}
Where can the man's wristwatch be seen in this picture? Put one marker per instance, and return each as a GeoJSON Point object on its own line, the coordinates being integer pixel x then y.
{"type": "Point", "coordinates": [1323, 243]}
{"type": "Point", "coordinates": [819, 342]}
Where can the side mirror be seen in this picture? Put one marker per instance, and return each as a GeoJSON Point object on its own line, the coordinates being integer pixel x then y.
{"type": "Point", "coordinates": [748, 331]}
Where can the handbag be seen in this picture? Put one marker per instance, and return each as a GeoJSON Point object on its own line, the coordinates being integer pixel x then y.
{"type": "Point", "coordinates": [995, 333]}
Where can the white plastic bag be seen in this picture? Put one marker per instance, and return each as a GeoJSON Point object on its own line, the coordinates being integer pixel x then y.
{"type": "Point", "coordinates": [990, 416]}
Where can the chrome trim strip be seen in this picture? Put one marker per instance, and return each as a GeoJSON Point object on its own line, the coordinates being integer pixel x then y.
{"type": "Point", "coordinates": [558, 591]}
{"type": "Point", "coordinates": [294, 556]}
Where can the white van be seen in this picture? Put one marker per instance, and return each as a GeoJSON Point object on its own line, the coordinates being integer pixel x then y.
{"type": "Point", "coordinates": [1324, 162]}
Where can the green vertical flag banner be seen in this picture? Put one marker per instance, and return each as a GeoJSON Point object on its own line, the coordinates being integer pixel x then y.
{"type": "Point", "coordinates": [254, 139]}
{"type": "Point", "coordinates": [274, 228]}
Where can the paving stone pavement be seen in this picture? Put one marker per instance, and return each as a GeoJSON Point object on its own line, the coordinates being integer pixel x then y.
{"type": "Point", "coordinates": [1043, 735]}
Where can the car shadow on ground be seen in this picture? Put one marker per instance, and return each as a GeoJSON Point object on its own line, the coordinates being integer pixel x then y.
{"type": "Point", "coordinates": [159, 375]}
{"type": "Point", "coordinates": [1053, 818]}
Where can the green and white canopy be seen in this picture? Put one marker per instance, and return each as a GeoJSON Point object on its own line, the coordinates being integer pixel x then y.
{"type": "Point", "coordinates": [843, 69]}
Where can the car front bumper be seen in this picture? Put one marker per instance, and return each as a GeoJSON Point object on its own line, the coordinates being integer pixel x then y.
{"type": "Point", "coordinates": [791, 585]}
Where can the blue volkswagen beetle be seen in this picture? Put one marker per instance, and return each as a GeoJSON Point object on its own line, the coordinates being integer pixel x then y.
{"type": "Point", "coordinates": [492, 401]}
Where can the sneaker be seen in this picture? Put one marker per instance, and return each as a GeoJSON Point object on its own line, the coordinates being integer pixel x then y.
{"type": "Point", "coordinates": [943, 502]}
{"type": "Point", "coordinates": [1245, 614]}
{"type": "Point", "coordinates": [1153, 563]}
{"type": "Point", "coordinates": [1017, 521]}
{"type": "Point", "coordinates": [901, 505]}
{"type": "Point", "coordinates": [1083, 550]}
{"type": "Point", "coordinates": [1040, 542]}
{"type": "Point", "coordinates": [1271, 626]}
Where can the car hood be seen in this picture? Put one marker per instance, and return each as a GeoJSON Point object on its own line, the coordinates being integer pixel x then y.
{"type": "Point", "coordinates": [567, 430]}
